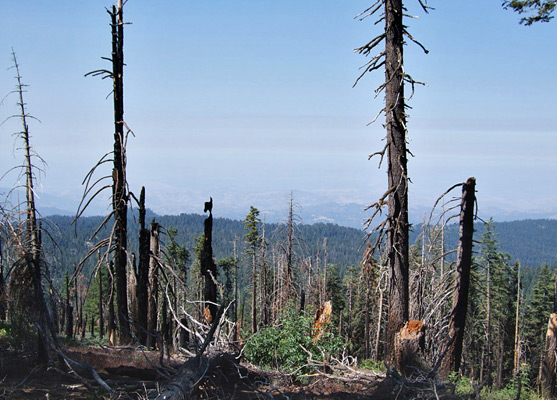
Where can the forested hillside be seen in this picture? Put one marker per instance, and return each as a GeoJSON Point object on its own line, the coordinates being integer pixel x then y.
{"type": "Point", "coordinates": [533, 242]}
{"type": "Point", "coordinates": [342, 248]}
{"type": "Point", "coordinates": [137, 305]}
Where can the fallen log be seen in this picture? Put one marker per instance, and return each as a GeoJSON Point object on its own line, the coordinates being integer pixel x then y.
{"type": "Point", "coordinates": [193, 372]}
{"type": "Point", "coordinates": [144, 374]}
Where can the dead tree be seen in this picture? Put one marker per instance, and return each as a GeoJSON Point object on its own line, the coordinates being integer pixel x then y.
{"type": "Point", "coordinates": [30, 267]}
{"type": "Point", "coordinates": [117, 243]}
{"type": "Point", "coordinates": [209, 268]}
{"type": "Point", "coordinates": [409, 348]}
{"type": "Point", "coordinates": [110, 324]}
{"type": "Point", "coordinates": [119, 190]}
{"type": "Point", "coordinates": [3, 294]}
{"type": "Point", "coordinates": [101, 316]}
{"type": "Point", "coordinates": [152, 302]}
{"type": "Point", "coordinates": [547, 370]}
{"type": "Point", "coordinates": [457, 322]}
{"type": "Point", "coordinates": [143, 271]}
{"type": "Point", "coordinates": [395, 227]}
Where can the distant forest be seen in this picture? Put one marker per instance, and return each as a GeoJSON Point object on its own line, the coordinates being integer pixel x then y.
{"type": "Point", "coordinates": [532, 242]}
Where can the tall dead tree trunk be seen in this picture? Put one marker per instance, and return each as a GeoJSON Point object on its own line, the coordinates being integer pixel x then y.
{"type": "Point", "coordinates": [143, 271]}
{"type": "Point", "coordinates": [457, 322]}
{"type": "Point", "coordinates": [101, 311]}
{"type": "Point", "coordinates": [111, 326]}
{"type": "Point", "coordinates": [209, 269]}
{"type": "Point", "coordinates": [397, 231]}
{"type": "Point", "coordinates": [69, 311]}
{"type": "Point", "coordinates": [395, 227]}
{"type": "Point", "coordinates": [132, 294]}
{"type": "Point", "coordinates": [152, 303]}
{"type": "Point", "coordinates": [119, 191]}
{"type": "Point", "coordinates": [32, 259]}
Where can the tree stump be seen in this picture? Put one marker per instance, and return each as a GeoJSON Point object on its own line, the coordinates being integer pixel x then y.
{"type": "Point", "coordinates": [409, 348]}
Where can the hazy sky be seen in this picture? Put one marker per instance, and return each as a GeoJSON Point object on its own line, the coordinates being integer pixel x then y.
{"type": "Point", "coordinates": [239, 99]}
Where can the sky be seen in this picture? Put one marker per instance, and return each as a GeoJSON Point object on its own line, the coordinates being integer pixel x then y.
{"type": "Point", "coordinates": [246, 101]}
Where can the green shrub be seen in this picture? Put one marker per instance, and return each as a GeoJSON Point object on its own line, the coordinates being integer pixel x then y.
{"type": "Point", "coordinates": [285, 346]}
{"type": "Point", "coordinates": [373, 365]}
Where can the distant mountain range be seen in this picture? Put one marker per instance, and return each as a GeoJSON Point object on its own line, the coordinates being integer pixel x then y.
{"type": "Point", "coordinates": [343, 209]}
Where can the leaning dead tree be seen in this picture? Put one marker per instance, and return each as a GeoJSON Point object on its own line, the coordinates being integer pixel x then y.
{"type": "Point", "coordinates": [394, 229]}
{"type": "Point", "coordinates": [457, 321]}
{"type": "Point", "coordinates": [27, 299]}
{"type": "Point", "coordinates": [117, 242]}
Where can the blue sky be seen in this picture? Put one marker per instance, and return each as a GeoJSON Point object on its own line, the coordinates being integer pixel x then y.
{"type": "Point", "coordinates": [247, 100]}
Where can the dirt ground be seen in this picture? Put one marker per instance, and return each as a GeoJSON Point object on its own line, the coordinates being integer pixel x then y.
{"type": "Point", "coordinates": [130, 372]}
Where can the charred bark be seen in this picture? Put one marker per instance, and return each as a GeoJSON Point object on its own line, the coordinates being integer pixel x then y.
{"type": "Point", "coordinates": [397, 232]}
{"type": "Point", "coordinates": [547, 373]}
{"type": "Point", "coordinates": [457, 322]}
{"type": "Point", "coordinates": [409, 348]}
{"type": "Point", "coordinates": [119, 190]}
{"type": "Point", "coordinates": [143, 271]}
{"type": "Point", "coordinates": [152, 305]}
{"type": "Point", "coordinates": [111, 326]}
{"type": "Point", "coordinates": [209, 270]}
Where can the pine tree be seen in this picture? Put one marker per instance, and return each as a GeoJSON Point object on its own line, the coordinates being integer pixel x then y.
{"type": "Point", "coordinates": [537, 311]}
{"type": "Point", "coordinates": [541, 10]}
{"type": "Point", "coordinates": [253, 241]}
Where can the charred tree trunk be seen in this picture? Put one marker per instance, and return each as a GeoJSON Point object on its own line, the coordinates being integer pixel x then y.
{"type": "Point", "coordinates": [132, 295]}
{"type": "Point", "coordinates": [235, 305]}
{"type": "Point", "coordinates": [153, 285]}
{"type": "Point", "coordinates": [111, 327]}
{"type": "Point", "coordinates": [101, 311]}
{"type": "Point", "coordinates": [547, 372]}
{"type": "Point", "coordinates": [143, 271]}
{"type": "Point", "coordinates": [397, 231]}
{"type": "Point", "coordinates": [457, 322]}
{"type": "Point", "coordinates": [32, 242]}
{"type": "Point", "coordinates": [119, 191]}
{"type": "Point", "coordinates": [409, 348]}
{"type": "Point", "coordinates": [69, 311]}
{"type": "Point", "coordinates": [209, 271]}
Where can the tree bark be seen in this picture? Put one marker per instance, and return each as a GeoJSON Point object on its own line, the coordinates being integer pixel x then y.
{"type": "Point", "coordinates": [143, 272]}
{"type": "Point", "coordinates": [397, 230]}
{"type": "Point", "coordinates": [457, 322]}
{"type": "Point", "coordinates": [409, 348]}
{"type": "Point", "coordinates": [119, 191]}
{"type": "Point", "coordinates": [101, 316]}
{"type": "Point", "coordinates": [209, 271]}
{"type": "Point", "coordinates": [547, 377]}
{"type": "Point", "coordinates": [110, 323]}
{"type": "Point", "coordinates": [152, 305]}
